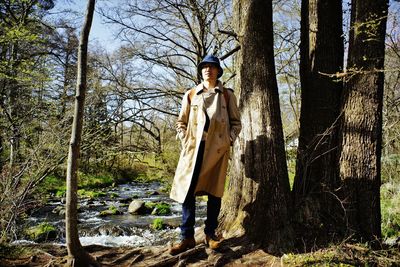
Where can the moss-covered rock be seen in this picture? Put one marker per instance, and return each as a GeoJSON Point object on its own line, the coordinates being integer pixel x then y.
{"type": "Point", "coordinates": [60, 210]}
{"type": "Point", "coordinates": [110, 211]}
{"type": "Point", "coordinates": [162, 209]}
{"type": "Point", "coordinates": [42, 232]}
{"type": "Point", "coordinates": [158, 224]}
{"type": "Point", "coordinates": [114, 195]}
{"type": "Point", "coordinates": [150, 206]}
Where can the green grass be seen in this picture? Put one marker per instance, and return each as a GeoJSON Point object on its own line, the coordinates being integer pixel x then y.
{"type": "Point", "coordinates": [90, 181]}
{"type": "Point", "coordinates": [390, 209]}
{"type": "Point", "coordinates": [53, 184]}
{"type": "Point", "coordinates": [90, 193]}
{"type": "Point", "coordinates": [310, 259]}
{"type": "Point", "coordinates": [344, 255]}
{"type": "Point", "coordinates": [87, 183]}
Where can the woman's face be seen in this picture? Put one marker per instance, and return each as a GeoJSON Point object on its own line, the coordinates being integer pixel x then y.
{"type": "Point", "coordinates": [209, 72]}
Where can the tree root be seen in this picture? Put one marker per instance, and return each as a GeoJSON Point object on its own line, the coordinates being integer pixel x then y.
{"type": "Point", "coordinates": [127, 256]}
{"type": "Point", "coordinates": [83, 260]}
{"type": "Point", "coordinates": [181, 257]}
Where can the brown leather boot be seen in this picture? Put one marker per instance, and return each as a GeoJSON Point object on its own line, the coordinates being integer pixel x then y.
{"type": "Point", "coordinates": [213, 242]}
{"type": "Point", "coordinates": [184, 245]}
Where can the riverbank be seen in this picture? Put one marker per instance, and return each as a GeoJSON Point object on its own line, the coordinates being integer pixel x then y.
{"type": "Point", "coordinates": [234, 252]}
{"type": "Point", "coordinates": [154, 223]}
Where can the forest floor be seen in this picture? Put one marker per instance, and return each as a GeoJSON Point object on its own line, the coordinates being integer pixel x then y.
{"type": "Point", "coordinates": [232, 253]}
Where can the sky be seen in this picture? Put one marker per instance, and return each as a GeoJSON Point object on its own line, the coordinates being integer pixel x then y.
{"type": "Point", "coordinates": [104, 34]}
{"type": "Point", "coordinates": [100, 32]}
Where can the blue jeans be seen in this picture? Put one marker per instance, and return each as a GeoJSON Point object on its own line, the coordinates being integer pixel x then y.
{"type": "Point", "coordinates": [189, 205]}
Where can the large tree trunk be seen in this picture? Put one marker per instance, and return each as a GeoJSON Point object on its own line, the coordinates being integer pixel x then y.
{"type": "Point", "coordinates": [256, 204]}
{"type": "Point", "coordinates": [321, 56]}
{"type": "Point", "coordinates": [77, 256]}
{"type": "Point", "coordinates": [361, 122]}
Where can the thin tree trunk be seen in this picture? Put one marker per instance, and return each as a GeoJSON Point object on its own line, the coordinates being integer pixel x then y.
{"type": "Point", "coordinates": [77, 256]}
{"type": "Point", "coordinates": [361, 123]}
{"type": "Point", "coordinates": [1, 153]}
{"type": "Point", "coordinates": [13, 112]}
{"type": "Point", "coordinates": [2, 163]}
{"type": "Point", "coordinates": [321, 55]}
{"type": "Point", "coordinates": [15, 136]}
{"type": "Point", "coordinates": [64, 95]}
{"type": "Point", "coordinates": [256, 204]}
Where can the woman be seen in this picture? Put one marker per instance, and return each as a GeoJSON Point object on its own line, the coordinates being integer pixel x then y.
{"type": "Point", "coordinates": [208, 124]}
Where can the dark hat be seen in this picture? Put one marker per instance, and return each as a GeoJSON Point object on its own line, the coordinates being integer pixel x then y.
{"type": "Point", "coordinates": [212, 60]}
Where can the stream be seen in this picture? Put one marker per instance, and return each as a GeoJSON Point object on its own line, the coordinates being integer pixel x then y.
{"type": "Point", "coordinates": [118, 230]}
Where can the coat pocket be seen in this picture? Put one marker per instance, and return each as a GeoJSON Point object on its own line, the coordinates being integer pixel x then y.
{"type": "Point", "coordinates": [192, 123]}
{"type": "Point", "coordinates": [189, 140]}
{"type": "Point", "coordinates": [222, 133]}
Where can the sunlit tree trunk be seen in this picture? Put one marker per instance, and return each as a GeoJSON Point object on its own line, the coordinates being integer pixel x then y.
{"type": "Point", "coordinates": [256, 204]}
{"type": "Point", "coordinates": [321, 57]}
{"type": "Point", "coordinates": [361, 124]}
{"type": "Point", "coordinates": [77, 256]}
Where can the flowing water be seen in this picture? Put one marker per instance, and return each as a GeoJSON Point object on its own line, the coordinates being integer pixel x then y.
{"type": "Point", "coordinates": [118, 230]}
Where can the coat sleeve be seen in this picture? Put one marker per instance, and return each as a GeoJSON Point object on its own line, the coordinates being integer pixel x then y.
{"type": "Point", "coordinates": [181, 123]}
{"type": "Point", "coordinates": [234, 117]}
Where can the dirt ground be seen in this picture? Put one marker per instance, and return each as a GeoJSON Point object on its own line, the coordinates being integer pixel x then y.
{"type": "Point", "coordinates": [232, 253]}
{"type": "Point", "coordinates": [55, 255]}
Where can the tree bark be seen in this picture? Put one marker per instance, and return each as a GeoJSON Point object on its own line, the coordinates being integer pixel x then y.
{"type": "Point", "coordinates": [321, 56]}
{"type": "Point", "coordinates": [77, 256]}
{"type": "Point", "coordinates": [361, 121]}
{"type": "Point", "coordinates": [256, 204]}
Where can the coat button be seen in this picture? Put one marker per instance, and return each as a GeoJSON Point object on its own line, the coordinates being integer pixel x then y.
{"type": "Point", "coordinates": [220, 135]}
{"type": "Point", "coordinates": [218, 151]}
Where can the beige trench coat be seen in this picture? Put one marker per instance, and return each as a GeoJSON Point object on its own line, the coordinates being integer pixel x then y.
{"type": "Point", "coordinates": [223, 130]}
